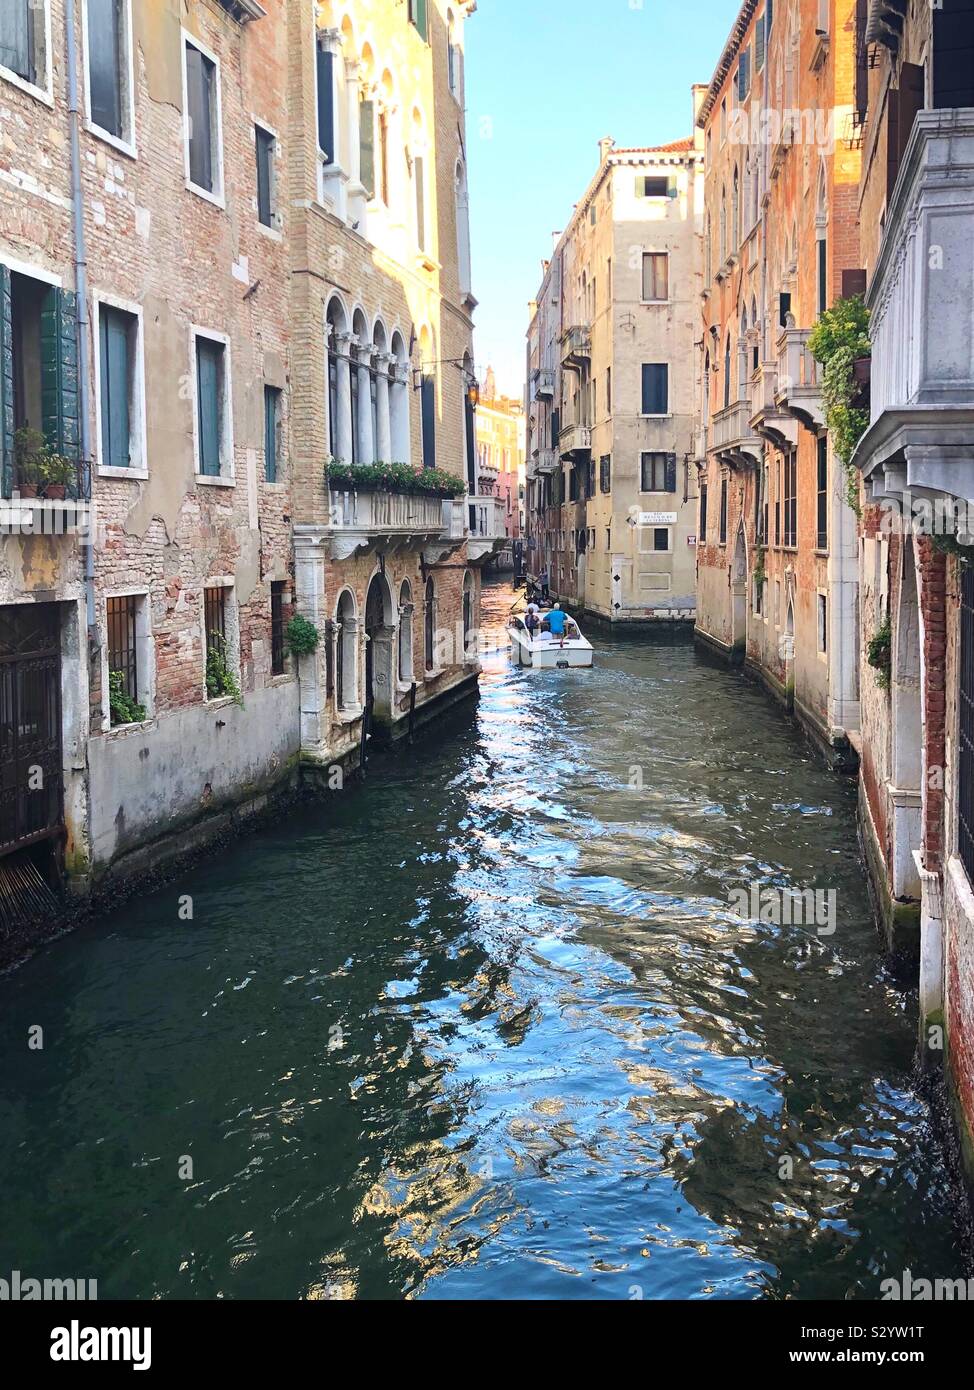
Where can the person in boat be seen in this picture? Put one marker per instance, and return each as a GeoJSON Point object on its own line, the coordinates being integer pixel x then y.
{"type": "Point", "coordinates": [556, 621]}
{"type": "Point", "coordinates": [543, 581]}
{"type": "Point", "coordinates": [532, 619]}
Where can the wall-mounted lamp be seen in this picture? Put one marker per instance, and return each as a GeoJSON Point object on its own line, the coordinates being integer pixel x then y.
{"type": "Point", "coordinates": [473, 394]}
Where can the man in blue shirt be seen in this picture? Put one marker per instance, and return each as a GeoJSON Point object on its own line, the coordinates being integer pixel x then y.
{"type": "Point", "coordinates": [556, 621]}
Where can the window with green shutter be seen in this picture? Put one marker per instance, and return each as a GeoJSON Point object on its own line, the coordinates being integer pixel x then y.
{"type": "Point", "coordinates": [419, 18]}
{"type": "Point", "coordinates": [202, 127]}
{"type": "Point", "coordinates": [60, 399]}
{"type": "Point", "coordinates": [325, 80]}
{"type": "Point", "coordinates": [23, 34]}
{"type": "Point", "coordinates": [272, 424]}
{"type": "Point", "coordinates": [117, 333]}
{"type": "Point", "coordinates": [210, 367]}
{"type": "Point", "coordinates": [105, 49]}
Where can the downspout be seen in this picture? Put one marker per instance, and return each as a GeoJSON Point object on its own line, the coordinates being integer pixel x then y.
{"type": "Point", "coordinates": [81, 288]}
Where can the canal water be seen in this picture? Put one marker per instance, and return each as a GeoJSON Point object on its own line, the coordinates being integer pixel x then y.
{"type": "Point", "coordinates": [487, 1025]}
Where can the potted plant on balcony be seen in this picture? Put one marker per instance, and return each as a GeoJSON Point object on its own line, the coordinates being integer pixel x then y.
{"type": "Point", "coordinates": [57, 473]}
{"type": "Point", "coordinates": [840, 342]}
{"type": "Point", "coordinates": [392, 477]}
{"type": "Point", "coordinates": [30, 449]}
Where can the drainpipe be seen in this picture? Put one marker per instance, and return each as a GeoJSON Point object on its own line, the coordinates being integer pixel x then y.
{"type": "Point", "coordinates": [81, 288]}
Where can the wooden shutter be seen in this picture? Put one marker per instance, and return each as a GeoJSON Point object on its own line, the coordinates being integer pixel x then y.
{"type": "Point", "coordinates": [115, 390]}
{"type": "Point", "coordinates": [759, 37]}
{"type": "Point", "coordinates": [198, 97]}
{"type": "Point", "coordinates": [15, 39]}
{"type": "Point", "coordinates": [60, 412]}
{"type": "Point", "coordinates": [670, 482]}
{"type": "Point", "coordinates": [208, 364]}
{"type": "Point", "coordinates": [367, 146]}
{"type": "Point", "coordinates": [429, 422]}
{"type": "Point", "coordinates": [421, 18]}
{"type": "Point", "coordinates": [6, 386]}
{"type": "Point", "coordinates": [265, 149]}
{"type": "Point", "coordinates": [326, 103]}
{"type": "Point", "coordinates": [104, 65]}
{"type": "Point", "coordinates": [270, 434]}
{"type": "Point", "coordinates": [654, 388]}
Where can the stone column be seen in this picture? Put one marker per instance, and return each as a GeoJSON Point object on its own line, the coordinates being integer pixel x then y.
{"type": "Point", "coordinates": [310, 554]}
{"type": "Point", "coordinates": [383, 442]}
{"type": "Point", "coordinates": [399, 411]}
{"type": "Point", "coordinates": [343, 433]}
{"type": "Point", "coordinates": [366, 443]}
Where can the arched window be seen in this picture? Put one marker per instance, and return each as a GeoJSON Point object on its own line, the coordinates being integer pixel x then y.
{"type": "Point", "coordinates": [709, 251]}
{"type": "Point", "coordinates": [429, 625]}
{"type": "Point", "coordinates": [346, 664]}
{"type": "Point", "coordinates": [723, 225]}
{"type": "Point", "coordinates": [335, 330]}
{"type": "Point", "coordinates": [405, 632]}
{"type": "Point", "coordinates": [363, 437]}
{"type": "Point", "coordinates": [399, 395]}
{"type": "Point", "coordinates": [418, 160]}
{"type": "Point", "coordinates": [735, 212]}
{"type": "Point", "coordinates": [727, 371]}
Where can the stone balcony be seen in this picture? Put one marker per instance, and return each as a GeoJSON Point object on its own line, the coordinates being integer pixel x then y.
{"type": "Point", "coordinates": [768, 419]}
{"type": "Point", "coordinates": [542, 383]}
{"type": "Point", "coordinates": [363, 522]}
{"type": "Point", "coordinates": [922, 330]}
{"type": "Point", "coordinates": [732, 440]}
{"type": "Point", "coordinates": [573, 440]}
{"type": "Point", "coordinates": [488, 530]}
{"type": "Point", "coordinates": [799, 388]}
{"type": "Point", "coordinates": [576, 345]}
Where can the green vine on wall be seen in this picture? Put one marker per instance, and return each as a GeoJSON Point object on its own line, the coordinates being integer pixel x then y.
{"type": "Point", "coordinates": [837, 340]}
{"type": "Point", "coordinates": [302, 637]}
{"type": "Point", "coordinates": [879, 653]}
{"type": "Point", "coordinates": [760, 574]}
{"type": "Point", "coordinates": [123, 709]}
{"type": "Point", "coordinates": [220, 680]}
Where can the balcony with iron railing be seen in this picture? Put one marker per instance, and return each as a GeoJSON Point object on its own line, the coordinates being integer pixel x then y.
{"type": "Point", "coordinates": [799, 387]}
{"type": "Point", "coordinates": [576, 345]}
{"type": "Point", "coordinates": [921, 326]}
{"type": "Point", "coordinates": [731, 437]}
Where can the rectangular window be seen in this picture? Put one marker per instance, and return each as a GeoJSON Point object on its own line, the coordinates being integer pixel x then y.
{"type": "Point", "coordinates": [658, 472]}
{"type": "Point", "coordinates": [277, 627]}
{"type": "Point", "coordinates": [212, 409]}
{"type": "Point", "coordinates": [266, 149]}
{"type": "Point", "coordinates": [419, 19]}
{"type": "Point", "coordinates": [24, 37]}
{"type": "Point", "coordinates": [661, 538]}
{"type": "Point", "coordinates": [572, 483]}
{"type": "Point", "coordinates": [823, 628]}
{"type": "Point", "coordinates": [366, 130]}
{"type": "Point", "coordinates": [419, 180]}
{"type": "Point", "coordinates": [654, 186]}
{"type": "Point", "coordinates": [383, 156]}
{"type": "Point", "coordinates": [202, 120]}
{"type": "Point", "coordinates": [119, 396]}
{"type": "Point", "coordinates": [723, 511]}
{"type": "Point", "coordinates": [608, 390]}
{"type": "Point", "coordinates": [759, 43]}
{"type": "Point", "coordinates": [823, 275]}
{"type": "Point", "coordinates": [272, 432]}
{"type": "Point", "coordinates": [429, 421]}
{"type": "Point", "coordinates": [123, 664]}
{"type": "Point", "coordinates": [744, 74]}
{"type": "Point", "coordinates": [325, 85]}
{"type": "Point", "coordinates": [656, 377]}
{"type": "Point", "coordinates": [107, 49]}
{"type": "Point", "coordinates": [218, 659]}
{"type": "Point", "coordinates": [656, 276]}
{"type": "Point", "coordinates": [822, 496]}
{"type": "Point", "coordinates": [703, 513]}
{"type": "Point", "coordinates": [605, 473]}
{"type": "Point", "coordinates": [784, 309]}
{"type": "Point", "coordinates": [791, 500]}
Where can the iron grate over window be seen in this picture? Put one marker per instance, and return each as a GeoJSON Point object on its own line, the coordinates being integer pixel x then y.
{"type": "Point", "coordinates": [277, 628]}
{"type": "Point", "coordinates": [965, 786]}
{"type": "Point", "coordinates": [122, 651]}
{"type": "Point", "coordinates": [215, 614]}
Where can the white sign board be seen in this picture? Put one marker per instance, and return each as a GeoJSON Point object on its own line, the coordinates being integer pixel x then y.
{"type": "Point", "coordinates": [657, 518]}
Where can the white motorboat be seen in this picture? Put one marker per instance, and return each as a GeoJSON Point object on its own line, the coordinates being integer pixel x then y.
{"type": "Point", "coordinates": [545, 651]}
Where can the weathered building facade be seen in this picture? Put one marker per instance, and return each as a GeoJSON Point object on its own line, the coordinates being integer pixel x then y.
{"type": "Point", "coordinates": [500, 473]}
{"type": "Point", "coordinates": [778, 575]}
{"type": "Point", "coordinates": [247, 256]}
{"type": "Point", "coordinates": [917, 782]}
{"type": "Point", "coordinates": [611, 500]}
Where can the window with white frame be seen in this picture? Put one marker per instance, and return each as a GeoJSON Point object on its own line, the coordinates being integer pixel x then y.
{"type": "Point", "coordinates": [656, 276]}
{"type": "Point", "coordinates": [202, 120]}
{"type": "Point", "coordinates": [213, 423]}
{"type": "Point", "coordinates": [128, 672]}
{"type": "Point", "coordinates": [265, 143]}
{"type": "Point", "coordinates": [109, 85]}
{"type": "Point", "coordinates": [25, 44]}
{"type": "Point", "coordinates": [120, 387]}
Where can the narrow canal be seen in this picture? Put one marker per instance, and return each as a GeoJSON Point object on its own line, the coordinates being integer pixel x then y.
{"type": "Point", "coordinates": [488, 1026]}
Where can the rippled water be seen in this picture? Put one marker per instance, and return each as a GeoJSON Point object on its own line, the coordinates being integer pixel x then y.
{"type": "Point", "coordinates": [486, 1026]}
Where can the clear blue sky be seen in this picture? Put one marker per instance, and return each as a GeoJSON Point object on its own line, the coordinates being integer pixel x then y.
{"type": "Point", "coordinates": [546, 79]}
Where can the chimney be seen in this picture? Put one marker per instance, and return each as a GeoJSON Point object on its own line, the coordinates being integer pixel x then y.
{"type": "Point", "coordinates": [606, 146]}
{"type": "Point", "coordinates": [699, 92]}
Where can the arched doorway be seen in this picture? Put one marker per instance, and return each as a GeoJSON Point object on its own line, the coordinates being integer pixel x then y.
{"type": "Point", "coordinates": [379, 640]}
